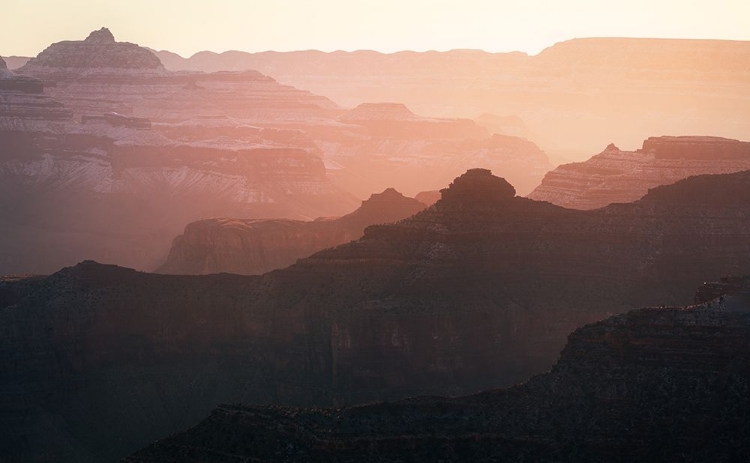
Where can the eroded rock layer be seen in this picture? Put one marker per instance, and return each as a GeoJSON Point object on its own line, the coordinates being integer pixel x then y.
{"type": "Point", "coordinates": [476, 292]}
{"type": "Point", "coordinates": [577, 95]}
{"type": "Point", "coordinates": [617, 176]}
{"type": "Point", "coordinates": [256, 246]}
{"type": "Point", "coordinates": [650, 385]}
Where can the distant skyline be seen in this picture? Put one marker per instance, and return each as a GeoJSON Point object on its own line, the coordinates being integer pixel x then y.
{"type": "Point", "coordinates": [189, 26]}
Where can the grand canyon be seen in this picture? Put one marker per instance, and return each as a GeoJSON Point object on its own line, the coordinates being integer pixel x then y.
{"type": "Point", "coordinates": [412, 253]}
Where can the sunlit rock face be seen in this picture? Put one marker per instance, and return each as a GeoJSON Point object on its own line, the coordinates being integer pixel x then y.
{"type": "Point", "coordinates": [84, 174]}
{"type": "Point", "coordinates": [111, 188]}
{"type": "Point", "coordinates": [617, 176]}
{"type": "Point", "coordinates": [379, 145]}
{"type": "Point", "coordinates": [368, 148]}
{"type": "Point", "coordinates": [577, 95]}
{"type": "Point", "coordinates": [479, 291]}
{"type": "Point", "coordinates": [256, 246]}
{"type": "Point", "coordinates": [650, 385]}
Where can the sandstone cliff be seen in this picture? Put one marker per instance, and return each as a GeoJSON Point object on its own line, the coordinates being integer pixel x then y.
{"type": "Point", "coordinates": [617, 176]}
{"type": "Point", "coordinates": [650, 385]}
{"type": "Point", "coordinates": [478, 291]}
{"type": "Point", "coordinates": [256, 246]}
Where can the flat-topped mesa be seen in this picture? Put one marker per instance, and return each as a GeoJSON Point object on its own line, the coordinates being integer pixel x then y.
{"type": "Point", "coordinates": [98, 54]}
{"type": "Point", "coordinates": [253, 247]}
{"type": "Point", "coordinates": [698, 148]}
{"type": "Point", "coordinates": [381, 112]}
{"type": "Point", "coordinates": [477, 186]}
{"type": "Point", "coordinates": [621, 176]}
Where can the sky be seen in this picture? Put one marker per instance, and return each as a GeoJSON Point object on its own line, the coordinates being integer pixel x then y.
{"type": "Point", "coordinates": [188, 26]}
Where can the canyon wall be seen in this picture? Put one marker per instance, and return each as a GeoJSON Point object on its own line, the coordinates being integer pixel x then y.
{"type": "Point", "coordinates": [478, 291]}
{"type": "Point", "coordinates": [618, 176]}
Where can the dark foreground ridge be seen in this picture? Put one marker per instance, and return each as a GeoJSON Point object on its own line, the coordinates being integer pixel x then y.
{"type": "Point", "coordinates": [650, 385]}
{"type": "Point", "coordinates": [479, 291]}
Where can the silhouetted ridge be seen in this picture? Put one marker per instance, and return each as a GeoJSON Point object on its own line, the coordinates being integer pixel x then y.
{"type": "Point", "coordinates": [477, 186]}
{"type": "Point", "coordinates": [653, 384]}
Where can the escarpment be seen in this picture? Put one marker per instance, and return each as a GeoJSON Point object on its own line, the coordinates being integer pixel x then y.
{"type": "Point", "coordinates": [617, 176]}
{"type": "Point", "coordinates": [652, 385]}
{"type": "Point", "coordinates": [256, 246]}
{"type": "Point", "coordinates": [476, 292]}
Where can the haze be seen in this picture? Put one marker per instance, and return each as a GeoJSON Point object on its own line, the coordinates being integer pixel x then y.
{"type": "Point", "coordinates": [189, 26]}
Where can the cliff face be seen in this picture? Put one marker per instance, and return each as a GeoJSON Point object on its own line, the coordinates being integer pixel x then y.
{"type": "Point", "coordinates": [120, 194]}
{"type": "Point", "coordinates": [387, 144]}
{"type": "Point", "coordinates": [366, 149]}
{"type": "Point", "coordinates": [650, 385]}
{"type": "Point", "coordinates": [616, 176]}
{"type": "Point", "coordinates": [256, 246]}
{"type": "Point", "coordinates": [118, 187]}
{"type": "Point", "coordinates": [478, 291]}
{"type": "Point", "coordinates": [576, 95]}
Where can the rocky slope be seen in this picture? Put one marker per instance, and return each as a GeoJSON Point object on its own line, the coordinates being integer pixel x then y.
{"type": "Point", "coordinates": [650, 385]}
{"type": "Point", "coordinates": [576, 95]}
{"type": "Point", "coordinates": [478, 291]}
{"type": "Point", "coordinates": [617, 176]}
{"type": "Point", "coordinates": [257, 246]}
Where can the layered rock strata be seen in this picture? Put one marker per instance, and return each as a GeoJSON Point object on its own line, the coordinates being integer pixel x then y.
{"type": "Point", "coordinates": [577, 95]}
{"type": "Point", "coordinates": [617, 176]}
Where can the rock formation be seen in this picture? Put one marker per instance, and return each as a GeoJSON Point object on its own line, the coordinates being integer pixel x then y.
{"type": "Point", "coordinates": [617, 176]}
{"type": "Point", "coordinates": [99, 53]}
{"type": "Point", "coordinates": [256, 246]}
{"type": "Point", "coordinates": [366, 149]}
{"type": "Point", "coordinates": [650, 385]}
{"type": "Point", "coordinates": [576, 96]}
{"type": "Point", "coordinates": [387, 143]}
{"type": "Point", "coordinates": [478, 291]}
{"type": "Point", "coordinates": [150, 154]}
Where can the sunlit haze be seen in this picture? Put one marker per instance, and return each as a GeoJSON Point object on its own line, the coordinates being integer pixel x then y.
{"type": "Point", "coordinates": [188, 26]}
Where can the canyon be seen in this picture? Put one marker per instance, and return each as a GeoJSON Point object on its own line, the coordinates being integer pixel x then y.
{"type": "Point", "coordinates": [656, 384]}
{"type": "Point", "coordinates": [114, 189]}
{"type": "Point", "coordinates": [618, 176]}
{"type": "Point", "coordinates": [573, 97]}
{"type": "Point", "coordinates": [107, 155]}
{"type": "Point", "coordinates": [476, 292]}
{"type": "Point", "coordinates": [257, 246]}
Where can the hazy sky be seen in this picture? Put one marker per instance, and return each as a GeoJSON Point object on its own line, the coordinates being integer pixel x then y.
{"type": "Point", "coordinates": [187, 26]}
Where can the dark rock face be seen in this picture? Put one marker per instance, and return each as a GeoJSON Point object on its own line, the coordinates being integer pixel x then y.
{"type": "Point", "coordinates": [464, 296]}
{"type": "Point", "coordinates": [650, 385]}
{"type": "Point", "coordinates": [256, 246]}
{"type": "Point", "coordinates": [616, 176]}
